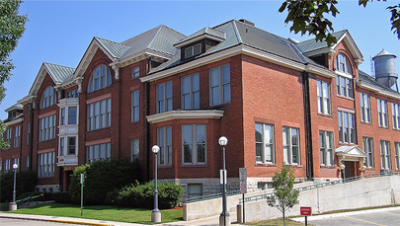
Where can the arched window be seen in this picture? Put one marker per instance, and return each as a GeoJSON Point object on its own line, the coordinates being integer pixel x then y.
{"type": "Point", "coordinates": [342, 64]}
{"type": "Point", "coordinates": [48, 98]}
{"type": "Point", "coordinates": [101, 78]}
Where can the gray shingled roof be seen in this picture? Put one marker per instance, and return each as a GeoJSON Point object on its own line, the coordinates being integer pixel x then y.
{"type": "Point", "coordinates": [58, 73]}
{"type": "Point", "coordinates": [311, 44]}
{"type": "Point", "coordinates": [362, 76]}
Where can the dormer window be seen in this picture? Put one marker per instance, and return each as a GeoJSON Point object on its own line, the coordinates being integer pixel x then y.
{"type": "Point", "coordinates": [193, 50]}
{"type": "Point", "coordinates": [342, 64]}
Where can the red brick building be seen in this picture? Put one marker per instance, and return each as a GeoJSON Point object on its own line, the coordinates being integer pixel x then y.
{"type": "Point", "coordinates": [275, 99]}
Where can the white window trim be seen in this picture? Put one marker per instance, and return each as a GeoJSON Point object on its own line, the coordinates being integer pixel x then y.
{"type": "Point", "coordinates": [165, 98]}
{"type": "Point", "coordinates": [321, 103]}
{"type": "Point", "coordinates": [329, 144]}
{"type": "Point", "coordinates": [167, 160]}
{"type": "Point", "coordinates": [135, 72]}
{"type": "Point", "coordinates": [220, 86]}
{"type": "Point", "coordinates": [290, 146]}
{"type": "Point", "coordinates": [191, 92]}
{"type": "Point", "coordinates": [192, 50]}
{"type": "Point", "coordinates": [383, 116]}
{"type": "Point", "coordinates": [396, 116]}
{"type": "Point", "coordinates": [385, 154]}
{"type": "Point", "coordinates": [135, 106]}
{"type": "Point", "coordinates": [365, 105]}
{"type": "Point", "coordinates": [349, 127]}
{"type": "Point", "coordinates": [134, 155]}
{"type": "Point", "coordinates": [91, 118]}
{"type": "Point", "coordinates": [369, 148]}
{"type": "Point", "coordinates": [265, 143]}
{"type": "Point", "coordinates": [397, 154]}
{"type": "Point", "coordinates": [194, 145]}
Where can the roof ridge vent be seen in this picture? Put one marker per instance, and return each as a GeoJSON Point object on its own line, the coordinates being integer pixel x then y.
{"type": "Point", "coordinates": [247, 22]}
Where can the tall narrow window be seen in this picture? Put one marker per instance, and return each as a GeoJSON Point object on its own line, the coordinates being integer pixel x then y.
{"type": "Point", "coordinates": [220, 85]}
{"type": "Point", "coordinates": [190, 92]}
{"type": "Point", "coordinates": [61, 151]}
{"type": "Point", "coordinates": [28, 133]}
{"type": "Point", "coordinates": [71, 145]}
{"type": "Point", "coordinates": [164, 140]}
{"type": "Point", "coordinates": [100, 78]}
{"type": "Point", "coordinates": [72, 115]}
{"type": "Point", "coordinates": [17, 136]}
{"type": "Point", "coordinates": [396, 115]}
{"type": "Point", "coordinates": [265, 148]}
{"type": "Point", "coordinates": [342, 64]}
{"type": "Point", "coordinates": [397, 154]}
{"type": "Point", "coordinates": [385, 155]}
{"type": "Point", "coordinates": [7, 137]}
{"type": "Point", "coordinates": [382, 113]}
{"type": "Point", "coordinates": [344, 86]}
{"type": "Point", "coordinates": [194, 144]}
{"type": "Point", "coordinates": [135, 72]}
{"type": "Point", "coordinates": [48, 98]}
{"type": "Point", "coordinates": [365, 108]}
{"type": "Point", "coordinates": [347, 130]}
{"type": "Point", "coordinates": [62, 116]}
{"type": "Point", "coordinates": [291, 148]}
{"type": "Point", "coordinates": [7, 165]}
{"type": "Point", "coordinates": [369, 150]}
{"type": "Point", "coordinates": [135, 106]}
{"type": "Point", "coordinates": [134, 149]}
{"type": "Point", "coordinates": [326, 148]}
{"type": "Point", "coordinates": [164, 97]}
{"type": "Point", "coordinates": [324, 97]}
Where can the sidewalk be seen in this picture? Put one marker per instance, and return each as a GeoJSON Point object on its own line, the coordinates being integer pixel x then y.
{"type": "Point", "coordinates": [208, 221]}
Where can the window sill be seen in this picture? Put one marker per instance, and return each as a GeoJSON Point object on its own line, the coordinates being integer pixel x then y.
{"type": "Point", "coordinates": [344, 97]}
{"type": "Point", "coordinates": [366, 123]}
{"type": "Point", "coordinates": [259, 164]}
{"type": "Point", "coordinates": [325, 115]}
{"type": "Point", "coordinates": [383, 127]}
{"type": "Point", "coordinates": [194, 165]}
{"type": "Point", "coordinates": [327, 167]}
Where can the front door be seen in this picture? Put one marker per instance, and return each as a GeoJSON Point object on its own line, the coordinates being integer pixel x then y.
{"type": "Point", "coordinates": [349, 170]}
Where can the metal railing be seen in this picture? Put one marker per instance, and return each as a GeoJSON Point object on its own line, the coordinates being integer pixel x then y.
{"type": "Point", "coordinates": [210, 196]}
{"type": "Point", "coordinates": [24, 201]}
{"type": "Point", "coordinates": [318, 185]}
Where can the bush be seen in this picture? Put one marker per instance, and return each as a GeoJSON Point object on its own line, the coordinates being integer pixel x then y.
{"type": "Point", "coordinates": [142, 196]}
{"type": "Point", "coordinates": [62, 197]}
{"type": "Point", "coordinates": [102, 177]}
{"type": "Point", "coordinates": [25, 182]}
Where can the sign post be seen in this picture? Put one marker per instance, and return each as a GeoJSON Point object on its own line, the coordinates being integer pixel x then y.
{"type": "Point", "coordinates": [305, 211]}
{"type": "Point", "coordinates": [82, 181]}
{"type": "Point", "coordinates": [243, 187]}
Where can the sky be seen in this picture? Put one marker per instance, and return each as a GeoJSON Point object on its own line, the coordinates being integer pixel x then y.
{"type": "Point", "coordinates": [59, 32]}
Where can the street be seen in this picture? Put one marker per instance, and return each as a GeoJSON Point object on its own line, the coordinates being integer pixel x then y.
{"type": "Point", "coordinates": [18, 222]}
{"type": "Point", "coordinates": [382, 217]}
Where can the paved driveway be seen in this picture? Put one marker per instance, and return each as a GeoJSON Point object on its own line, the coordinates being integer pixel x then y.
{"type": "Point", "coordinates": [382, 217]}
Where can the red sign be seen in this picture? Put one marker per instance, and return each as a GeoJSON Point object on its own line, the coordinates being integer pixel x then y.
{"type": "Point", "coordinates": [305, 211]}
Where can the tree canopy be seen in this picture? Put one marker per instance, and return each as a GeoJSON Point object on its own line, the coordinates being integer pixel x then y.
{"type": "Point", "coordinates": [309, 16]}
{"type": "Point", "coordinates": [12, 26]}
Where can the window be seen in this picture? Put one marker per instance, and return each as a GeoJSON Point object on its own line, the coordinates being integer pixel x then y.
{"type": "Point", "coordinates": [324, 98]}
{"type": "Point", "coordinates": [220, 87]}
{"type": "Point", "coordinates": [190, 92]}
{"type": "Point", "coordinates": [265, 150]}
{"type": "Point", "coordinates": [71, 115]}
{"type": "Point", "coordinates": [164, 141]}
{"type": "Point", "coordinates": [16, 161]}
{"type": "Point", "coordinates": [135, 72]}
{"type": "Point", "coordinates": [46, 164]}
{"type": "Point", "coordinates": [195, 190]}
{"type": "Point", "coordinates": [347, 130]}
{"type": "Point", "coordinates": [7, 137]}
{"type": "Point", "coordinates": [27, 163]}
{"type": "Point", "coordinates": [193, 50]}
{"type": "Point", "coordinates": [28, 133]}
{"type": "Point", "coordinates": [72, 94]}
{"type": "Point", "coordinates": [164, 97]}
{"type": "Point", "coordinates": [365, 108]}
{"type": "Point", "coordinates": [369, 150]}
{"type": "Point", "coordinates": [382, 113]}
{"type": "Point", "coordinates": [396, 115]}
{"type": "Point", "coordinates": [7, 165]}
{"type": "Point", "coordinates": [61, 151]}
{"type": "Point", "coordinates": [71, 141]}
{"type": "Point", "coordinates": [62, 116]}
{"type": "Point", "coordinates": [344, 86]}
{"type": "Point", "coordinates": [343, 64]}
{"type": "Point", "coordinates": [99, 115]}
{"type": "Point", "coordinates": [385, 155]}
{"type": "Point", "coordinates": [135, 106]}
{"type": "Point", "coordinates": [291, 148]}
{"type": "Point", "coordinates": [98, 152]}
{"type": "Point", "coordinates": [397, 155]}
{"type": "Point", "coordinates": [326, 148]}
{"type": "Point", "coordinates": [194, 144]}
{"type": "Point", "coordinates": [48, 98]}
{"type": "Point", "coordinates": [134, 149]}
{"type": "Point", "coordinates": [47, 128]}
{"type": "Point", "coordinates": [101, 78]}
{"type": "Point", "coordinates": [17, 136]}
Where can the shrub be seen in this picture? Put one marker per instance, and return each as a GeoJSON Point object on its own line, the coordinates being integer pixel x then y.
{"type": "Point", "coordinates": [62, 197]}
{"type": "Point", "coordinates": [142, 196]}
{"type": "Point", "coordinates": [25, 182]}
{"type": "Point", "coordinates": [102, 177]}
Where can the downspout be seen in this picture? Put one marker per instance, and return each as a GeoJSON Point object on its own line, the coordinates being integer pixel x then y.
{"type": "Point", "coordinates": [308, 129]}
{"type": "Point", "coordinates": [30, 111]}
{"type": "Point", "coordinates": [147, 125]}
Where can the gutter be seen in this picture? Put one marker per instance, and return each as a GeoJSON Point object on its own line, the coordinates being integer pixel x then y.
{"type": "Point", "coordinates": [307, 122]}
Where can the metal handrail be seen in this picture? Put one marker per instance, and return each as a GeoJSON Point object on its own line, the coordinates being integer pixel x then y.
{"type": "Point", "coordinates": [210, 196]}
{"type": "Point", "coordinates": [23, 202]}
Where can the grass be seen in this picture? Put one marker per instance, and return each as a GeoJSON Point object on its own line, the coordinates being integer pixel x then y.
{"type": "Point", "coordinates": [109, 213]}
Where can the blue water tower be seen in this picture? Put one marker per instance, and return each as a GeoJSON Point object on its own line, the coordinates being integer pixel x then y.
{"type": "Point", "coordinates": [385, 70]}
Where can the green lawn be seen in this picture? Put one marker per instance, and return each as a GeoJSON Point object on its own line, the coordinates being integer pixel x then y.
{"type": "Point", "coordinates": [110, 213]}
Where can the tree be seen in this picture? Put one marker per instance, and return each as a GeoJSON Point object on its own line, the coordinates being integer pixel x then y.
{"type": "Point", "coordinates": [307, 16]}
{"type": "Point", "coordinates": [12, 26]}
{"type": "Point", "coordinates": [285, 197]}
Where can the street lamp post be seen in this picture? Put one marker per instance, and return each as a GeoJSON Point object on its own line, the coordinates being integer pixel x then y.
{"type": "Point", "coordinates": [155, 214]}
{"type": "Point", "coordinates": [224, 217]}
{"type": "Point", "coordinates": [13, 204]}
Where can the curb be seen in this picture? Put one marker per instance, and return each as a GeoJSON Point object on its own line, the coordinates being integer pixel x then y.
{"type": "Point", "coordinates": [58, 221]}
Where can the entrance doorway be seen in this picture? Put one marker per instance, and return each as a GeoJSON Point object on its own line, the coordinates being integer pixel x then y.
{"type": "Point", "coordinates": [350, 169]}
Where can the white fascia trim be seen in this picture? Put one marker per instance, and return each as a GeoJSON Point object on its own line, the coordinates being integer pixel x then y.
{"type": "Point", "coordinates": [318, 51]}
{"type": "Point", "coordinates": [27, 99]}
{"type": "Point", "coordinates": [139, 56]}
{"type": "Point", "coordinates": [87, 57]}
{"type": "Point", "coordinates": [236, 51]}
{"type": "Point", "coordinates": [378, 90]}
{"type": "Point", "coordinates": [184, 114]}
{"type": "Point", "coordinates": [198, 38]}
{"type": "Point", "coordinates": [13, 122]}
